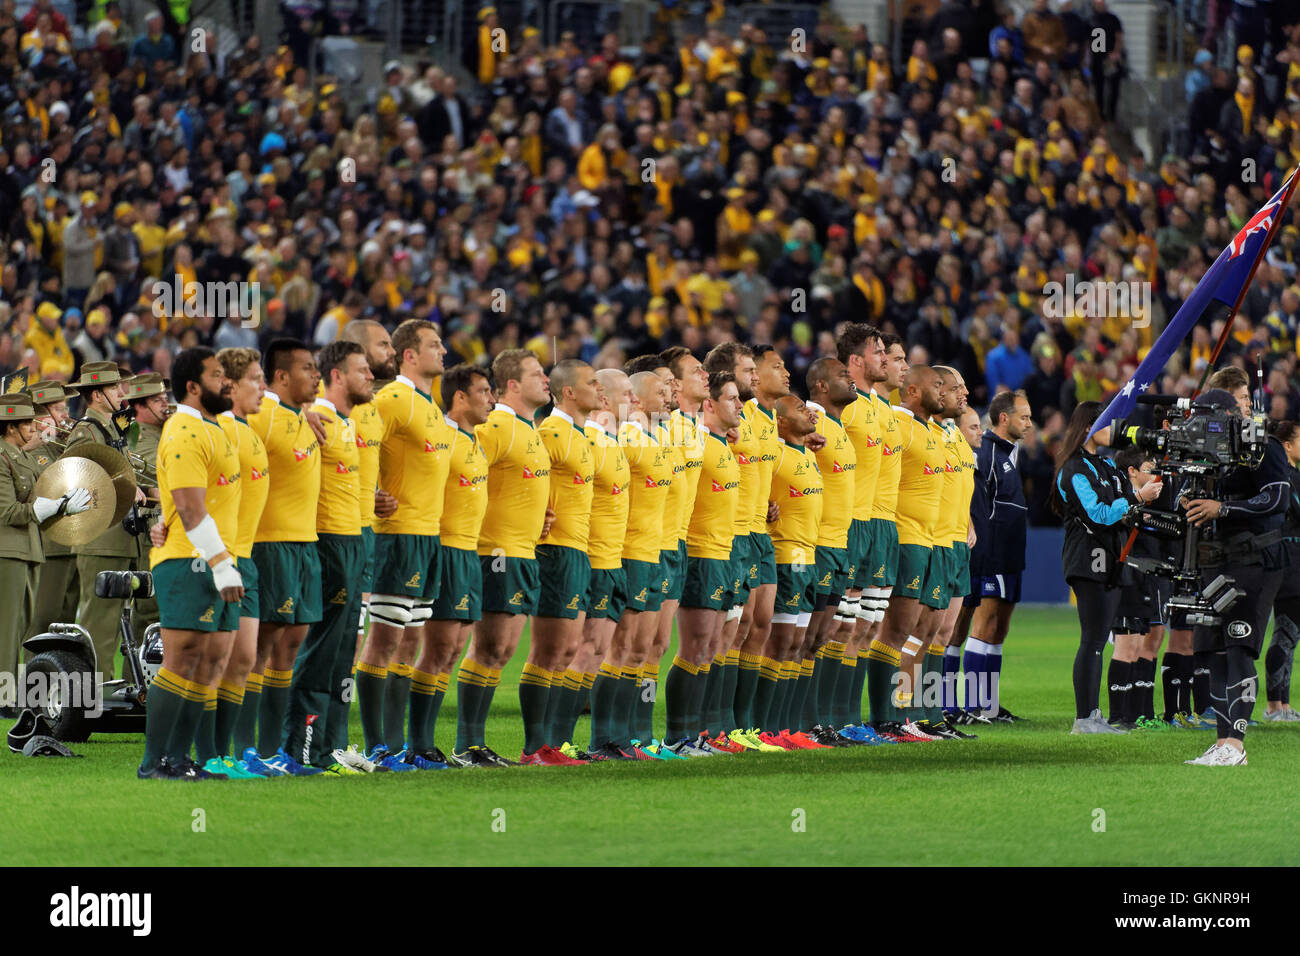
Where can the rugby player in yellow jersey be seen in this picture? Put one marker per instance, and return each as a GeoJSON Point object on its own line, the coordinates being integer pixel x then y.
{"type": "Point", "coordinates": [958, 625]}
{"type": "Point", "coordinates": [413, 462]}
{"type": "Point", "coordinates": [284, 548]}
{"type": "Point", "coordinates": [197, 582]}
{"type": "Point", "coordinates": [236, 713]}
{"type": "Point", "coordinates": [861, 350]}
{"type": "Point", "coordinates": [941, 668]}
{"type": "Point", "coordinates": [740, 632]}
{"type": "Point", "coordinates": [894, 655]}
{"type": "Point", "coordinates": [382, 358]}
{"type": "Point", "coordinates": [830, 391]}
{"type": "Point", "coordinates": [607, 592]}
{"type": "Point", "coordinates": [518, 490]}
{"type": "Point", "coordinates": [651, 463]}
{"type": "Point", "coordinates": [325, 658]}
{"type": "Point", "coordinates": [797, 487]}
{"type": "Point", "coordinates": [690, 387]}
{"type": "Point", "coordinates": [563, 566]}
{"type": "Point", "coordinates": [467, 396]}
{"type": "Point", "coordinates": [710, 572]}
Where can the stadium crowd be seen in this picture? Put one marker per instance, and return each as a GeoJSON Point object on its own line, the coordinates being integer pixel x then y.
{"type": "Point", "coordinates": [595, 205]}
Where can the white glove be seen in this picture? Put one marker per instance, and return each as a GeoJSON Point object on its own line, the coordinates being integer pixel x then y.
{"type": "Point", "coordinates": [226, 575]}
{"type": "Point", "coordinates": [46, 508]}
{"type": "Point", "coordinates": [78, 501]}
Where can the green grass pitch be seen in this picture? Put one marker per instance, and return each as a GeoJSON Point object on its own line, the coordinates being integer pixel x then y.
{"type": "Point", "coordinates": [1024, 794]}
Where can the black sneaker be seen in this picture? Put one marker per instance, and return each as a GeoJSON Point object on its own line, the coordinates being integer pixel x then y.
{"type": "Point", "coordinates": [1006, 717]}
{"type": "Point", "coordinates": [941, 730]}
{"type": "Point", "coordinates": [607, 751]}
{"type": "Point", "coordinates": [161, 771]}
{"type": "Point", "coordinates": [968, 718]}
{"type": "Point", "coordinates": [437, 756]}
{"type": "Point", "coordinates": [495, 759]}
{"type": "Point", "coordinates": [187, 769]}
{"type": "Point", "coordinates": [892, 730]}
{"type": "Point", "coordinates": [472, 757]}
{"type": "Point", "coordinates": [829, 737]}
{"type": "Point", "coordinates": [958, 735]}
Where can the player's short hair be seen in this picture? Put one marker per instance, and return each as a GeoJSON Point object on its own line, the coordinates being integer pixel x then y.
{"type": "Point", "coordinates": [722, 357]}
{"type": "Point", "coordinates": [235, 362]}
{"type": "Point", "coordinates": [407, 336]}
{"type": "Point", "coordinates": [673, 357]}
{"type": "Point", "coordinates": [508, 365]}
{"type": "Point", "coordinates": [334, 356]}
{"type": "Point", "coordinates": [643, 363]}
{"type": "Point", "coordinates": [460, 378]}
{"type": "Point", "coordinates": [1002, 404]}
{"type": "Point", "coordinates": [279, 356]}
{"type": "Point", "coordinates": [818, 371]}
{"type": "Point", "coordinates": [565, 375]}
{"type": "Point", "coordinates": [1229, 378]}
{"type": "Point", "coordinates": [717, 380]}
{"type": "Point", "coordinates": [1132, 457]}
{"type": "Point", "coordinates": [358, 330]}
{"type": "Point", "coordinates": [188, 367]}
{"type": "Point", "coordinates": [889, 340]}
{"type": "Point", "coordinates": [760, 350]}
{"type": "Point", "coordinates": [852, 340]}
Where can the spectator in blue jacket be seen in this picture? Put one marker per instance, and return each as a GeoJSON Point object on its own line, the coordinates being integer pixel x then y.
{"type": "Point", "coordinates": [155, 45]}
{"type": "Point", "coordinates": [1007, 365]}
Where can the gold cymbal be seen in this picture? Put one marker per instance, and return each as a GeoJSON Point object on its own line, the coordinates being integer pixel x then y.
{"type": "Point", "coordinates": [118, 468]}
{"type": "Point", "coordinates": [65, 475]}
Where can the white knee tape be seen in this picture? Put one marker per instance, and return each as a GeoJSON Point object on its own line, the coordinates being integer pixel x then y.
{"type": "Point", "coordinates": [804, 618]}
{"type": "Point", "coordinates": [785, 618]}
{"type": "Point", "coordinates": [419, 614]}
{"type": "Point", "coordinates": [849, 608]}
{"type": "Point", "coordinates": [391, 609]}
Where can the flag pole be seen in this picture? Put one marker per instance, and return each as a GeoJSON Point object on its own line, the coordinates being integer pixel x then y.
{"type": "Point", "coordinates": [1268, 241]}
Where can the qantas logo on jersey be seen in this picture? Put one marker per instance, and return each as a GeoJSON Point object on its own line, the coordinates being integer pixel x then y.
{"type": "Point", "coordinates": [795, 492]}
{"type": "Point", "coordinates": [343, 469]}
{"type": "Point", "coordinates": [255, 475]}
{"type": "Point", "coordinates": [301, 454]}
{"type": "Point", "coordinates": [616, 490]}
{"type": "Point", "coordinates": [465, 482]}
{"type": "Point", "coordinates": [928, 470]}
{"type": "Point", "coordinates": [872, 442]}
{"type": "Point", "coordinates": [837, 468]}
{"type": "Point", "coordinates": [430, 446]}
{"type": "Point", "coordinates": [886, 450]}
{"type": "Point", "coordinates": [222, 481]}
{"type": "Point", "coordinates": [529, 473]}
{"type": "Point", "coordinates": [719, 486]}
{"type": "Point", "coordinates": [579, 479]}
{"type": "Point", "coordinates": [742, 460]}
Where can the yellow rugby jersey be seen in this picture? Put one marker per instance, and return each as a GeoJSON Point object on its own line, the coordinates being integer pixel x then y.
{"type": "Point", "coordinates": [294, 458]}
{"type": "Point", "coordinates": [464, 502]}
{"type": "Point", "coordinates": [837, 461]}
{"type": "Point", "coordinates": [651, 465]}
{"type": "Point", "coordinates": [763, 422]}
{"type": "Point", "coordinates": [797, 488]}
{"type": "Point", "coordinates": [572, 471]}
{"type": "Point", "coordinates": [689, 436]}
{"type": "Point", "coordinates": [892, 435]}
{"type": "Point", "coordinates": [370, 436]}
{"type": "Point", "coordinates": [340, 478]}
{"type": "Point", "coordinates": [196, 453]}
{"type": "Point", "coordinates": [920, 483]}
{"type": "Point", "coordinates": [748, 454]}
{"type": "Point", "coordinates": [610, 497]}
{"type": "Point", "coordinates": [966, 481]}
{"type": "Point", "coordinates": [860, 422]}
{"type": "Point", "coordinates": [950, 519]}
{"type": "Point", "coordinates": [519, 483]}
{"type": "Point", "coordinates": [254, 479]}
{"type": "Point", "coordinates": [413, 458]}
{"type": "Point", "coordinates": [717, 501]}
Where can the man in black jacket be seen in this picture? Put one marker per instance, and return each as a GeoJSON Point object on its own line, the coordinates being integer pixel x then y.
{"type": "Point", "coordinates": [998, 558]}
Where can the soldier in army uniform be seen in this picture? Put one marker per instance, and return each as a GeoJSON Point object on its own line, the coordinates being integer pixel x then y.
{"type": "Point", "coordinates": [56, 596]}
{"type": "Point", "coordinates": [147, 394]}
{"type": "Point", "coordinates": [102, 388]}
{"type": "Point", "coordinates": [21, 515]}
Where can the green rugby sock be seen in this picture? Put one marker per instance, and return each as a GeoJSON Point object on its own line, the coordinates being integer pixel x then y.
{"type": "Point", "coordinates": [424, 690]}
{"type": "Point", "coordinates": [205, 734]}
{"type": "Point", "coordinates": [230, 702]}
{"type": "Point", "coordinates": [730, 678]}
{"type": "Point", "coordinates": [372, 691]}
{"type": "Point", "coordinates": [244, 732]}
{"type": "Point", "coordinates": [534, 690]}
{"type": "Point", "coordinates": [765, 695]}
{"type": "Point", "coordinates": [646, 696]}
{"type": "Point", "coordinates": [855, 690]}
{"type": "Point", "coordinates": [748, 670]}
{"type": "Point", "coordinates": [472, 685]}
{"type": "Point", "coordinates": [270, 717]}
{"type": "Point", "coordinates": [603, 690]}
{"type": "Point", "coordinates": [163, 702]}
{"type": "Point", "coordinates": [679, 687]}
{"type": "Point", "coordinates": [882, 665]}
{"type": "Point", "coordinates": [397, 698]}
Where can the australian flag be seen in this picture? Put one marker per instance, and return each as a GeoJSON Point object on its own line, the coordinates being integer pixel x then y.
{"type": "Point", "coordinates": [1216, 296]}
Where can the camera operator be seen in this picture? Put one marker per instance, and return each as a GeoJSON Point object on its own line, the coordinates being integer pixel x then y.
{"type": "Point", "coordinates": [1286, 606]}
{"type": "Point", "coordinates": [1245, 544]}
{"type": "Point", "coordinates": [1093, 497]}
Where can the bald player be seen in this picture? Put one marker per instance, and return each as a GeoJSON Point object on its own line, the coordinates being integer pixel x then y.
{"type": "Point", "coordinates": [894, 656]}
{"type": "Point", "coordinates": [563, 566]}
{"type": "Point", "coordinates": [607, 591]}
{"type": "Point", "coordinates": [797, 488]}
{"type": "Point", "coordinates": [830, 391]}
